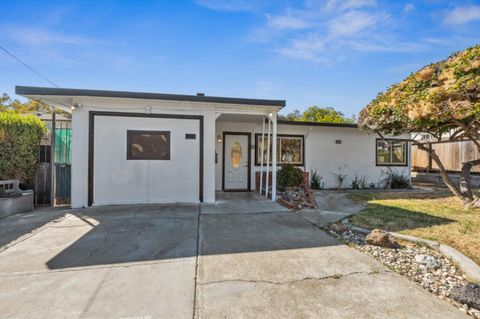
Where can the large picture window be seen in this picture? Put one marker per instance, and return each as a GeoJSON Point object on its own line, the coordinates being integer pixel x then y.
{"type": "Point", "coordinates": [391, 152]}
{"type": "Point", "coordinates": [290, 149]}
{"type": "Point", "coordinates": [148, 145]}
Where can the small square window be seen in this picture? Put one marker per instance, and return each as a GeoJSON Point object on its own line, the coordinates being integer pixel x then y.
{"type": "Point", "coordinates": [148, 145]}
{"type": "Point", "coordinates": [391, 152]}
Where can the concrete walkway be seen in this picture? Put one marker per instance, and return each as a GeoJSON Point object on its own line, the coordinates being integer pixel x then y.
{"type": "Point", "coordinates": [169, 261]}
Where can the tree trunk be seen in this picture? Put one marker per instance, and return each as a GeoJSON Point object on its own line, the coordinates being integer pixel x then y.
{"type": "Point", "coordinates": [443, 172]}
{"type": "Point", "coordinates": [465, 184]}
{"type": "Point", "coordinates": [475, 203]}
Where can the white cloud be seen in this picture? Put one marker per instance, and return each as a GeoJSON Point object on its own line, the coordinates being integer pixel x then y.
{"type": "Point", "coordinates": [409, 7]}
{"type": "Point", "coordinates": [310, 48]}
{"type": "Point", "coordinates": [286, 22]}
{"type": "Point", "coordinates": [328, 31]}
{"type": "Point", "coordinates": [353, 22]}
{"type": "Point", "coordinates": [462, 15]}
{"type": "Point", "coordinates": [343, 5]}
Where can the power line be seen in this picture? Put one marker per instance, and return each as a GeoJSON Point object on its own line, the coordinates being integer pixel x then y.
{"type": "Point", "coordinates": [28, 66]}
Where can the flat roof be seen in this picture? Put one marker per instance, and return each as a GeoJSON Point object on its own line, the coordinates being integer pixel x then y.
{"type": "Point", "coordinates": [288, 122]}
{"type": "Point", "coordinates": [47, 91]}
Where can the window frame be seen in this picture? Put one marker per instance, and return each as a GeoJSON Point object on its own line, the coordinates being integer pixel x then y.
{"type": "Point", "coordinates": [279, 136]}
{"type": "Point", "coordinates": [130, 157]}
{"type": "Point", "coordinates": [395, 140]}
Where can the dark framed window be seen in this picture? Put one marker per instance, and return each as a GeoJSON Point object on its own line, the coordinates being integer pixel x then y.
{"type": "Point", "coordinates": [290, 149]}
{"type": "Point", "coordinates": [148, 145]}
{"type": "Point", "coordinates": [391, 152]}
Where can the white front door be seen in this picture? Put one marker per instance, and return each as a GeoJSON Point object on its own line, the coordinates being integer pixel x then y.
{"type": "Point", "coordinates": [236, 160]}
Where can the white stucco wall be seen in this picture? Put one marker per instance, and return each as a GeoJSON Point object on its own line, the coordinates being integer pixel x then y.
{"type": "Point", "coordinates": [356, 153]}
{"type": "Point", "coordinates": [80, 122]}
{"type": "Point", "coordinates": [209, 111]}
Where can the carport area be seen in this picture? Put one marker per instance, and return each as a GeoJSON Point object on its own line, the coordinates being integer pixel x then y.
{"type": "Point", "coordinates": [193, 261]}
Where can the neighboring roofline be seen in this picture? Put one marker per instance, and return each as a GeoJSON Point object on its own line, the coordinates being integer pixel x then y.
{"type": "Point", "coordinates": [31, 90]}
{"type": "Point", "coordinates": [287, 122]}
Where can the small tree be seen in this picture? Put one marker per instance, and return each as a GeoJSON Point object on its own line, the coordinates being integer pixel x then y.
{"type": "Point", "coordinates": [443, 100]}
{"type": "Point", "coordinates": [20, 137]}
{"type": "Point", "coordinates": [324, 115]}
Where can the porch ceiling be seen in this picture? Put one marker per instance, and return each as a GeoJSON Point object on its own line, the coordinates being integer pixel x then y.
{"type": "Point", "coordinates": [242, 118]}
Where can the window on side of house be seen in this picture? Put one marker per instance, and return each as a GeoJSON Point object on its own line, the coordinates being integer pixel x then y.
{"type": "Point", "coordinates": [391, 152]}
{"type": "Point", "coordinates": [148, 145]}
{"type": "Point", "coordinates": [290, 149]}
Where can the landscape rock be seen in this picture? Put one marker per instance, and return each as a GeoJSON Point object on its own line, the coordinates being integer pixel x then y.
{"type": "Point", "coordinates": [338, 228]}
{"type": "Point", "coordinates": [378, 237]}
{"type": "Point", "coordinates": [297, 198]}
{"type": "Point", "coordinates": [441, 281]}
{"type": "Point", "coordinates": [468, 294]}
{"type": "Point", "coordinates": [427, 260]}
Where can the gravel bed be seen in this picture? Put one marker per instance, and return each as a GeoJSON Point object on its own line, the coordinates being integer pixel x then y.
{"type": "Point", "coordinates": [428, 268]}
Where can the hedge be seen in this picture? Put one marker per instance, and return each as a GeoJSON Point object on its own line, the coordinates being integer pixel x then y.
{"type": "Point", "coordinates": [20, 137]}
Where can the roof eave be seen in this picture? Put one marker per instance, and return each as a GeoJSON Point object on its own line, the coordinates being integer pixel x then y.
{"type": "Point", "coordinates": [45, 91]}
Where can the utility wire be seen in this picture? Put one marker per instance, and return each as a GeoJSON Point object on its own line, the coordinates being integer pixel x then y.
{"type": "Point", "coordinates": [28, 66]}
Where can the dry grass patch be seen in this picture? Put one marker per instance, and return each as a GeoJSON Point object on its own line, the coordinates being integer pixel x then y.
{"type": "Point", "coordinates": [436, 216]}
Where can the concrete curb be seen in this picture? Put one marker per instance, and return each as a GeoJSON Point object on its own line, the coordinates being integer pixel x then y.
{"type": "Point", "coordinates": [467, 265]}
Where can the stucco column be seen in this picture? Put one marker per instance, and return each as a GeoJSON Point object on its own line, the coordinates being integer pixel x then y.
{"type": "Point", "coordinates": [274, 156]}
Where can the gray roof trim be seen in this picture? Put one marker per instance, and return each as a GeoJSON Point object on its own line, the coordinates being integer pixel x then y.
{"type": "Point", "coordinates": [32, 90]}
{"type": "Point", "coordinates": [285, 122]}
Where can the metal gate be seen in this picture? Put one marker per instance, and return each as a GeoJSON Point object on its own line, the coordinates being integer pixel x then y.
{"type": "Point", "coordinates": [63, 164]}
{"type": "Point", "coordinates": [62, 160]}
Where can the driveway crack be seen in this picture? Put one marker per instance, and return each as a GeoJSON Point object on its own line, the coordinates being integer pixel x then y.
{"type": "Point", "coordinates": [196, 283]}
{"type": "Point", "coordinates": [334, 276]}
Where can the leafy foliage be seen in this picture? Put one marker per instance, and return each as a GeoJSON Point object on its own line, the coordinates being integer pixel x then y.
{"type": "Point", "coordinates": [340, 176]}
{"type": "Point", "coordinates": [289, 175]}
{"type": "Point", "coordinates": [318, 114]}
{"type": "Point", "coordinates": [29, 107]}
{"type": "Point", "coordinates": [436, 99]}
{"type": "Point", "coordinates": [324, 115]}
{"type": "Point", "coordinates": [395, 179]}
{"type": "Point", "coordinates": [316, 180]}
{"type": "Point", "coordinates": [442, 99]}
{"type": "Point", "coordinates": [359, 181]}
{"type": "Point", "coordinates": [19, 144]}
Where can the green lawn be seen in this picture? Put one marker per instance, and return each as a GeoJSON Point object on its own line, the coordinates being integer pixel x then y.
{"type": "Point", "coordinates": [436, 216]}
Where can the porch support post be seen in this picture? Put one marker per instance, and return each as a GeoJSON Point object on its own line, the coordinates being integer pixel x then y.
{"type": "Point", "coordinates": [262, 151]}
{"type": "Point", "coordinates": [274, 157]}
{"type": "Point", "coordinates": [268, 159]}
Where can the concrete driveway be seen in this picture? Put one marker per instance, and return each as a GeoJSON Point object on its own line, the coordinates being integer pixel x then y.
{"type": "Point", "coordinates": [141, 261]}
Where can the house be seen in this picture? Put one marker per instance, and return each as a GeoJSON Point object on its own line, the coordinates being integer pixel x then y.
{"type": "Point", "coordinates": [131, 147]}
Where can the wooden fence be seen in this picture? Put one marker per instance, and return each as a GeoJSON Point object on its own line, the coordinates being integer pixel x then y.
{"type": "Point", "coordinates": [452, 155]}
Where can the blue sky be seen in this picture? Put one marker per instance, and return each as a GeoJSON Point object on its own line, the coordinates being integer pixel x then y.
{"type": "Point", "coordinates": [327, 53]}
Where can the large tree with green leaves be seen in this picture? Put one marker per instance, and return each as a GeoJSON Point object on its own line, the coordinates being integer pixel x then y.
{"type": "Point", "coordinates": [443, 100]}
{"type": "Point", "coordinates": [29, 107]}
{"type": "Point", "coordinates": [318, 114]}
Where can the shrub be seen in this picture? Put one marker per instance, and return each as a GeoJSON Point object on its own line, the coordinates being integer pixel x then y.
{"type": "Point", "coordinates": [359, 181]}
{"type": "Point", "coordinates": [20, 137]}
{"type": "Point", "coordinates": [395, 179]}
{"type": "Point", "coordinates": [316, 181]}
{"type": "Point", "coordinates": [340, 176]}
{"type": "Point", "coordinates": [289, 175]}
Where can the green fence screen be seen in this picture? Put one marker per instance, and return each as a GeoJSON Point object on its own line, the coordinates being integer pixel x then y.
{"type": "Point", "coordinates": [63, 142]}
